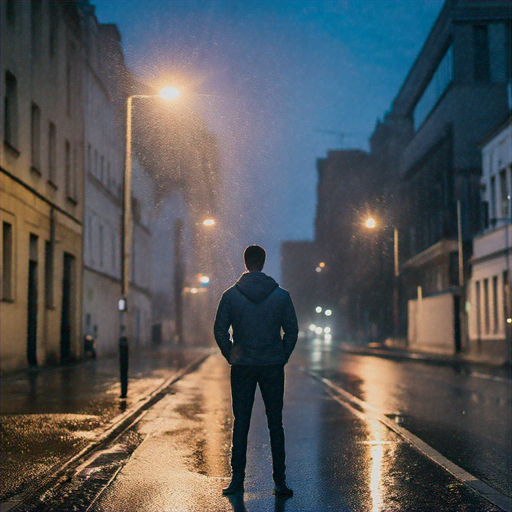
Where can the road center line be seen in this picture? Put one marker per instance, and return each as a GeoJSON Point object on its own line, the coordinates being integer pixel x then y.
{"type": "Point", "coordinates": [365, 411]}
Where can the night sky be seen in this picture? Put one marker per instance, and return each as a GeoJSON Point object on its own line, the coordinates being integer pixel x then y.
{"type": "Point", "coordinates": [274, 79]}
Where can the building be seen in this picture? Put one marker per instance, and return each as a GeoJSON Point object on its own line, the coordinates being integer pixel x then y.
{"type": "Point", "coordinates": [453, 95]}
{"type": "Point", "coordinates": [106, 86]}
{"type": "Point", "coordinates": [300, 275]}
{"type": "Point", "coordinates": [41, 182]}
{"type": "Point", "coordinates": [354, 281]}
{"type": "Point", "coordinates": [489, 287]}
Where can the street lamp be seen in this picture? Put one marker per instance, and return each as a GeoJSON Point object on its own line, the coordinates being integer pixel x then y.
{"type": "Point", "coordinates": [168, 93]}
{"type": "Point", "coordinates": [371, 223]}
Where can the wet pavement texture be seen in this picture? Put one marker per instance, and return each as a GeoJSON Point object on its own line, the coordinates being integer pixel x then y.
{"type": "Point", "coordinates": [335, 459]}
{"type": "Point", "coordinates": [50, 414]}
{"type": "Point", "coordinates": [462, 411]}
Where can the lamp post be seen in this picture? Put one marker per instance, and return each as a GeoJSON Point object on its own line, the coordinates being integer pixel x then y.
{"type": "Point", "coordinates": [168, 93]}
{"type": "Point", "coordinates": [370, 223]}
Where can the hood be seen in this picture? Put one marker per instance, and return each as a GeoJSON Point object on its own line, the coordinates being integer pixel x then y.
{"type": "Point", "coordinates": [256, 286]}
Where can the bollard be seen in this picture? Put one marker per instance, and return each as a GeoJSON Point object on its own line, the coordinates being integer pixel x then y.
{"type": "Point", "coordinates": [123, 365]}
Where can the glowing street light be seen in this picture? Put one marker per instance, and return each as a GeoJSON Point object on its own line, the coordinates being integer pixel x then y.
{"type": "Point", "coordinates": [370, 223]}
{"type": "Point", "coordinates": [328, 312]}
{"type": "Point", "coordinates": [209, 222]}
{"type": "Point", "coordinates": [318, 309]}
{"type": "Point", "coordinates": [204, 280]}
{"type": "Point", "coordinates": [169, 93]}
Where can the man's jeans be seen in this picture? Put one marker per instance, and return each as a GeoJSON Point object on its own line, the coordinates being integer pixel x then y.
{"type": "Point", "coordinates": [243, 386]}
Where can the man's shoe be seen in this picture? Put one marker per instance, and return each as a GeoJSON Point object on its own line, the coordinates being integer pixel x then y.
{"type": "Point", "coordinates": [236, 485]}
{"type": "Point", "coordinates": [282, 490]}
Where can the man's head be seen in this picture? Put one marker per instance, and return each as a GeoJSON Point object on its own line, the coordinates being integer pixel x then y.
{"type": "Point", "coordinates": [254, 258]}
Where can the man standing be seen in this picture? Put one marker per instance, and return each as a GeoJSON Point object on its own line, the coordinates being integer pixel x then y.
{"type": "Point", "coordinates": [256, 309]}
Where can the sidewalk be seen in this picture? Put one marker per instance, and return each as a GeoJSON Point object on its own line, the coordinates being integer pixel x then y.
{"type": "Point", "coordinates": [49, 415]}
{"type": "Point", "coordinates": [381, 350]}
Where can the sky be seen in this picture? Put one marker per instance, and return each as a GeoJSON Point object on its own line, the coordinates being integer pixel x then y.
{"type": "Point", "coordinates": [280, 83]}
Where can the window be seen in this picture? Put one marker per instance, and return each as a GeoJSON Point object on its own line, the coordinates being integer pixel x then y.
{"type": "Point", "coordinates": [48, 274]}
{"type": "Point", "coordinates": [52, 153]}
{"type": "Point", "coordinates": [54, 28]}
{"type": "Point", "coordinates": [503, 195]}
{"type": "Point", "coordinates": [90, 247]}
{"type": "Point", "coordinates": [70, 56]}
{"type": "Point", "coordinates": [67, 168]}
{"type": "Point", "coordinates": [10, 9]}
{"type": "Point", "coordinates": [492, 199]}
{"type": "Point", "coordinates": [35, 137]}
{"type": "Point", "coordinates": [481, 67]}
{"type": "Point", "coordinates": [7, 261]}
{"type": "Point", "coordinates": [441, 79]}
{"type": "Point", "coordinates": [506, 296]}
{"type": "Point", "coordinates": [11, 109]}
{"type": "Point", "coordinates": [74, 192]}
{"type": "Point", "coordinates": [114, 251]}
{"type": "Point", "coordinates": [101, 245]}
{"type": "Point", "coordinates": [89, 158]}
{"type": "Point", "coordinates": [499, 50]}
{"type": "Point", "coordinates": [478, 300]}
{"type": "Point", "coordinates": [487, 327]}
{"type": "Point", "coordinates": [495, 319]}
{"type": "Point", "coordinates": [35, 25]}
{"type": "Point", "coordinates": [33, 250]}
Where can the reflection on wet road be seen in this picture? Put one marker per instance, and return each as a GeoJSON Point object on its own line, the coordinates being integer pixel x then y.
{"type": "Point", "coordinates": [336, 459]}
{"type": "Point", "coordinates": [463, 413]}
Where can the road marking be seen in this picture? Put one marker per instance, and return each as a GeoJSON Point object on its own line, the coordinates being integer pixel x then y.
{"type": "Point", "coordinates": [366, 412]}
{"type": "Point", "coordinates": [489, 377]}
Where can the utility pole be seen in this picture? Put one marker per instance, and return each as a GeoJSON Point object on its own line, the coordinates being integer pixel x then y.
{"type": "Point", "coordinates": [461, 342]}
{"type": "Point", "coordinates": [179, 277]}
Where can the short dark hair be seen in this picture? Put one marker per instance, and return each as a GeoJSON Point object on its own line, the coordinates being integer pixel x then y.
{"type": "Point", "coordinates": [254, 257]}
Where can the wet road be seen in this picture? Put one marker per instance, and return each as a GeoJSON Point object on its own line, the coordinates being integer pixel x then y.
{"type": "Point", "coordinates": [343, 451]}
{"type": "Point", "coordinates": [462, 411]}
{"type": "Point", "coordinates": [49, 414]}
{"type": "Point", "coordinates": [337, 458]}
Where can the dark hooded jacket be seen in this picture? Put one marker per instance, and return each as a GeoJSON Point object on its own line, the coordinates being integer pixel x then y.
{"type": "Point", "coordinates": [256, 309]}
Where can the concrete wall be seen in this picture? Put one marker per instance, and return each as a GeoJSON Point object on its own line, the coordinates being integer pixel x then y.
{"type": "Point", "coordinates": [431, 324]}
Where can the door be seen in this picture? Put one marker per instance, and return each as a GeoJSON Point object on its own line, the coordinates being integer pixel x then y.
{"type": "Point", "coordinates": [32, 314]}
{"type": "Point", "coordinates": [66, 311]}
